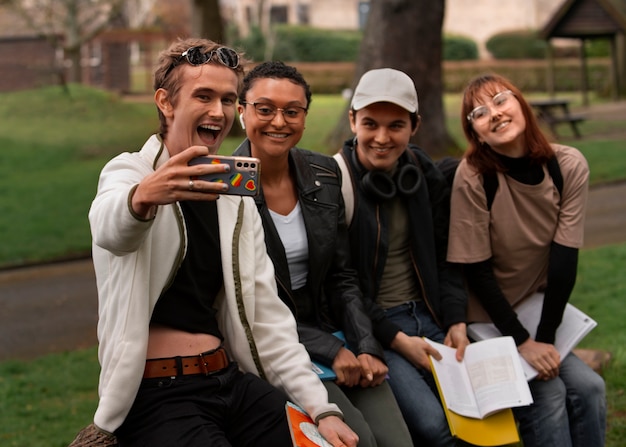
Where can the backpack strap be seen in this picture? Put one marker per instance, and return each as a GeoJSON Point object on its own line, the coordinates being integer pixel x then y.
{"type": "Point", "coordinates": [346, 187]}
{"type": "Point", "coordinates": [490, 185]}
{"type": "Point", "coordinates": [447, 166]}
{"type": "Point", "coordinates": [490, 181]}
{"type": "Point", "coordinates": [555, 172]}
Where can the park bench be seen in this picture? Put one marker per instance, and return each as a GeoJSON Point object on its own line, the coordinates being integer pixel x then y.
{"type": "Point", "coordinates": [555, 111]}
{"type": "Point", "coordinates": [594, 358]}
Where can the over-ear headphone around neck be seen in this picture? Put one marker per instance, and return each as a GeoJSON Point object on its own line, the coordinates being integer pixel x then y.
{"type": "Point", "coordinates": [380, 185]}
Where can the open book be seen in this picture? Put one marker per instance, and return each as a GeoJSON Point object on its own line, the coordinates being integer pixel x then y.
{"type": "Point", "coordinates": [490, 378]}
{"type": "Point", "coordinates": [304, 432]}
{"type": "Point", "coordinates": [574, 327]}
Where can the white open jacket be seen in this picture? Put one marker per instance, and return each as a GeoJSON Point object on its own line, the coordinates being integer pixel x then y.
{"type": "Point", "coordinates": [134, 260]}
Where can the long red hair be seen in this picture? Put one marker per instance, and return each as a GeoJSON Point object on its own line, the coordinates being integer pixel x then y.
{"type": "Point", "coordinates": [480, 155]}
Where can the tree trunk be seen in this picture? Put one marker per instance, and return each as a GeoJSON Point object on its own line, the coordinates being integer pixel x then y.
{"type": "Point", "coordinates": [208, 24]}
{"type": "Point", "coordinates": [76, 68]}
{"type": "Point", "coordinates": [406, 35]}
{"type": "Point", "coordinates": [207, 20]}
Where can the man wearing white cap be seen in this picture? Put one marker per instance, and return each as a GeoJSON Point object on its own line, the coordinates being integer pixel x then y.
{"type": "Point", "coordinates": [397, 207]}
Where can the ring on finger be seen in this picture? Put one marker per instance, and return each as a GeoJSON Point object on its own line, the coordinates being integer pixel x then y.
{"type": "Point", "coordinates": [190, 185]}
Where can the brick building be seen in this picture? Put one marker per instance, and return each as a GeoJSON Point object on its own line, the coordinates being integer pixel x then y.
{"type": "Point", "coordinates": [28, 60]}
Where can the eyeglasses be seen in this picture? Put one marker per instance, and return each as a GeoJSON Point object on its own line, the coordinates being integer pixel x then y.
{"type": "Point", "coordinates": [482, 113]}
{"type": "Point", "coordinates": [196, 56]}
{"type": "Point", "coordinates": [267, 112]}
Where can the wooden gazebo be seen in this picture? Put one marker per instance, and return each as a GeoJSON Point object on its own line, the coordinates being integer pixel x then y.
{"type": "Point", "coordinates": [592, 19]}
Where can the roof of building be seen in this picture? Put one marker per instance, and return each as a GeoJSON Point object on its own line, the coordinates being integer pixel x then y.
{"type": "Point", "coordinates": [587, 18]}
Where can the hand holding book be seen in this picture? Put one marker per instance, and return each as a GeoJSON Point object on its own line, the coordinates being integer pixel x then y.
{"type": "Point", "coordinates": [304, 432]}
{"type": "Point", "coordinates": [573, 328]}
{"type": "Point", "coordinates": [490, 378]}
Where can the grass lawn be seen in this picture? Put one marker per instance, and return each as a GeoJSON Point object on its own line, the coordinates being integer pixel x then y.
{"type": "Point", "coordinates": [54, 146]}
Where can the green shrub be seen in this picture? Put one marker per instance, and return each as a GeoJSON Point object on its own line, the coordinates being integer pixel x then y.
{"type": "Point", "coordinates": [302, 44]}
{"type": "Point", "coordinates": [524, 44]}
{"type": "Point", "coordinates": [252, 45]}
{"type": "Point", "coordinates": [598, 47]}
{"type": "Point", "coordinates": [458, 48]}
{"type": "Point", "coordinates": [306, 44]}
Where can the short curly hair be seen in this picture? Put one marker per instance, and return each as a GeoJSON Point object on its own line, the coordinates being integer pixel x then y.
{"type": "Point", "coordinates": [274, 70]}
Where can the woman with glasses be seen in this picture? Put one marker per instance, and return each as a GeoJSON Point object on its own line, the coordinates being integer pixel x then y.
{"type": "Point", "coordinates": [305, 233]}
{"type": "Point", "coordinates": [525, 240]}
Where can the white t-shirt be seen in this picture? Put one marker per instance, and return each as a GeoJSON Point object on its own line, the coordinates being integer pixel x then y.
{"type": "Point", "coordinates": [292, 234]}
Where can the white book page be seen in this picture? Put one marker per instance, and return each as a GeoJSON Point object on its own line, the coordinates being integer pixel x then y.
{"type": "Point", "coordinates": [574, 327]}
{"type": "Point", "coordinates": [454, 382]}
{"type": "Point", "coordinates": [496, 375]}
{"type": "Point", "coordinates": [486, 331]}
{"type": "Point", "coordinates": [489, 379]}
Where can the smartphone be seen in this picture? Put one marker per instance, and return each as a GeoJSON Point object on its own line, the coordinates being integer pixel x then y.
{"type": "Point", "coordinates": [243, 177]}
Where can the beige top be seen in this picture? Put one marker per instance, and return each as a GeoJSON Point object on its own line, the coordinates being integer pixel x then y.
{"type": "Point", "coordinates": [523, 221]}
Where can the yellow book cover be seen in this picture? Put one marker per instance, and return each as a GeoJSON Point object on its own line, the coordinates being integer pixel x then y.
{"type": "Point", "coordinates": [497, 429]}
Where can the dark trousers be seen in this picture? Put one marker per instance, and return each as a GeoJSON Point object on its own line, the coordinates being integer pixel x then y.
{"type": "Point", "coordinates": [228, 408]}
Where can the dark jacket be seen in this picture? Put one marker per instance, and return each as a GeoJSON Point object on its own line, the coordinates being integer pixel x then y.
{"type": "Point", "coordinates": [334, 299]}
{"type": "Point", "coordinates": [428, 212]}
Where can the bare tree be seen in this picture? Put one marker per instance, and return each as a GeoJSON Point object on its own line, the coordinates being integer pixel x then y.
{"type": "Point", "coordinates": [68, 24]}
{"type": "Point", "coordinates": [407, 35]}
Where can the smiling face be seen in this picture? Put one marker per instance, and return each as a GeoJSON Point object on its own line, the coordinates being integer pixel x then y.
{"type": "Point", "coordinates": [204, 108]}
{"type": "Point", "coordinates": [383, 131]}
{"type": "Point", "coordinates": [504, 125]}
{"type": "Point", "coordinates": [274, 137]}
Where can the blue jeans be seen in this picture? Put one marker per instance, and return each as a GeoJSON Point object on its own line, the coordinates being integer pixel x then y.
{"type": "Point", "coordinates": [568, 411]}
{"type": "Point", "coordinates": [414, 388]}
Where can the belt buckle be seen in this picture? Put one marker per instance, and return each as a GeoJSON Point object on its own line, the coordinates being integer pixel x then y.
{"type": "Point", "coordinates": [204, 364]}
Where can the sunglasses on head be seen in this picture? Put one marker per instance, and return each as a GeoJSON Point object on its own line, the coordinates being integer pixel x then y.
{"type": "Point", "coordinates": [196, 56]}
{"type": "Point", "coordinates": [227, 56]}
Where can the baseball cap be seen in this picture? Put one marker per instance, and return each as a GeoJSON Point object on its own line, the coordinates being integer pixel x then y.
{"type": "Point", "coordinates": [385, 85]}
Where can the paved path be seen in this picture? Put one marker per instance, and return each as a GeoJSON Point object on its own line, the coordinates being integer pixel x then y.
{"type": "Point", "coordinates": [53, 308]}
{"type": "Point", "coordinates": [46, 309]}
{"type": "Point", "coordinates": [606, 215]}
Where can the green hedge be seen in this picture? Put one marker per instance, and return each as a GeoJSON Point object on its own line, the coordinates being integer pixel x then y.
{"type": "Point", "coordinates": [303, 44]}
{"type": "Point", "coordinates": [458, 48]}
{"type": "Point", "coordinates": [306, 44]}
{"type": "Point", "coordinates": [523, 44]}
{"type": "Point", "coordinates": [598, 48]}
{"type": "Point", "coordinates": [326, 59]}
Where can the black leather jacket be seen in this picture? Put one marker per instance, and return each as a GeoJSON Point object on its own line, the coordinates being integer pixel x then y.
{"type": "Point", "coordinates": [429, 213]}
{"type": "Point", "coordinates": [335, 301]}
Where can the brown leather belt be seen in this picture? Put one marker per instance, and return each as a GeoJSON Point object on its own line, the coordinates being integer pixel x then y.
{"type": "Point", "coordinates": [206, 363]}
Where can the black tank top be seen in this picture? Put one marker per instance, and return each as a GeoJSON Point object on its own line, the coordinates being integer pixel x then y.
{"type": "Point", "coordinates": [188, 303]}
